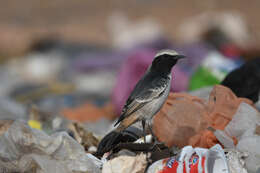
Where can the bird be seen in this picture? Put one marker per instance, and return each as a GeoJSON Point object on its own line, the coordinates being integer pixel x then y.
{"type": "Point", "coordinates": [147, 97]}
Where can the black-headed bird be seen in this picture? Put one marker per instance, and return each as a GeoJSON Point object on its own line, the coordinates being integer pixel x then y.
{"type": "Point", "coordinates": [147, 97]}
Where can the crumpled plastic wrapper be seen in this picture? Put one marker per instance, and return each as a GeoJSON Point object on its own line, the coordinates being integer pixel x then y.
{"type": "Point", "coordinates": [4, 125]}
{"type": "Point", "coordinates": [222, 105]}
{"type": "Point", "coordinates": [236, 161]}
{"type": "Point", "coordinates": [126, 164]}
{"type": "Point", "coordinates": [24, 149]}
{"type": "Point", "coordinates": [83, 136]}
{"type": "Point", "coordinates": [250, 143]}
{"type": "Point", "coordinates": [245, 127]}
{"type": "Point", "coordinates": [189, 120]}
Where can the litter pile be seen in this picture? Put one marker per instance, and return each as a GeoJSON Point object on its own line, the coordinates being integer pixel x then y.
{"type": "Point", "coordinates": [59, 104]}
{"type": "Point", "coordinates": [220, 134]}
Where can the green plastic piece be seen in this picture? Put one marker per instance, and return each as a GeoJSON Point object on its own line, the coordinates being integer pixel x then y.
{"type": "Point", "coordinates": [202, 78]}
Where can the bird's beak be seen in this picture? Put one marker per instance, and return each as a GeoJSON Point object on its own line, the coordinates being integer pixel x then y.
{"type": "Point", "coordinates": [180, 56]}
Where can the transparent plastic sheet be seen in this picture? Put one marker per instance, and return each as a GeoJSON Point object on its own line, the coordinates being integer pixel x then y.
{"type": "Point", "coordinates": [245, 127]}
{"type": "Point", "coordinates": [236, 161]}
{"type": "Point", "coordinates": [245, 118]}
{"type": "Point", "coordinates": [249, 143]}
{"type": "Point", "coordinates": [24, 149]}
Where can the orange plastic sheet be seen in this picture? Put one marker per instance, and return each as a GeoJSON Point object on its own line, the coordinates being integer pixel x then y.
{"type": "Point", "coordinates": [189, 120]}
{"type": "Point", "coordinates": [89, 113]}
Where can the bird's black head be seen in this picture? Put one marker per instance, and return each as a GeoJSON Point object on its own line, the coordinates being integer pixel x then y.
{"type": "Point", "coordinates": [165, 60]}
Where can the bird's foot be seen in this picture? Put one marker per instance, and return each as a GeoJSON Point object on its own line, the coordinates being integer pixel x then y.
{"type": "Point", "coordinates": [157, 144]}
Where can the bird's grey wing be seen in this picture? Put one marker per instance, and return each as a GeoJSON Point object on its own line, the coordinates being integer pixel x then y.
{"type": "Point", "coordinates": [130, 107]}
{"type": "Point", "coordinates": [144, 95]}
{"type": "Point", "coordinates": [153, 91]}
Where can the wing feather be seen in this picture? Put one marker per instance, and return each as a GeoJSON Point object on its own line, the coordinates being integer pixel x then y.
{"type": "Point", "coordinates": [143, 94]}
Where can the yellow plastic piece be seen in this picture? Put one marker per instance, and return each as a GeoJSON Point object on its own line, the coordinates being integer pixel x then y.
{"type": "Point", "coordinates": [35, 124]}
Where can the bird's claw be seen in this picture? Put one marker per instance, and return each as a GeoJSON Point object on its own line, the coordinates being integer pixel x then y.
{"type": "Point", "coordinates": [156, 144]}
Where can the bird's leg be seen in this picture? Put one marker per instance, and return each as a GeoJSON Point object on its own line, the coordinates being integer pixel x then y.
{"type": "Point", "coordinates": [147, 155]}
{"type": "Point", "coordinates": [155, 138]}
{"type": "Point", "coordinates": [151, 131]}
{"type": "Point", "coordinates": [143, 124]}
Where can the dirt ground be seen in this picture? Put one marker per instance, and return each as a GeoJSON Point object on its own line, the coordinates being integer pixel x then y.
{"type": "Point", "coordinates": [21, 22]}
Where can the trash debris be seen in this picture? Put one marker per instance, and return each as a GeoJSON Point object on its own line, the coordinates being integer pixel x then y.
{"type": "Point", "coordinates": [212, 70]}
{"type": "Point", "coordinates": [126, 164]}
{"type": "Point", "coordinates": [88, 113]}
{"type": "Point", "coordinates": [35, 124]}
{"type": "Point", "coordinates": [231, 24]}
{"type": "Point", "coordinates": [194, 160]}
{"type": "Point", "coordinates": [244, 128]}
{"type": "Point", "coordinates": [245, 118]}
{"type": "Point", "coordinates": [202, 93]}
{"type": "Point", "coordinates": [84, 137]}
{"type": "Point", "coordinates": [126, 34]}
{"type": "Point", "coordinates": [11, 110]}
{"type": "Point", "coordinates": [175, 124]}
{"type": "Point", "coordinates": [249, 143]}
{"type": "Point", "coordinates": [99, 127]}
{"type": "Point", "coordinates": [236, 161]}
{"type": "Point", "coordinates": [182, 126]}
{"type": "Point", "coordinates": [34, 118]}
{"type": "Point", "coordinates": [26, 149]}
{"type": "Point", "coordinates": [4, 125]}
{"type": "Point", "coordinates": [38, 67]}
{"type": "Point", "coordinates": [249, 73]}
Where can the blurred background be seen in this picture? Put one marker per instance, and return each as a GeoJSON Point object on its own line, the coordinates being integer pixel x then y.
{"type": "Point", "coordinates": [79, 60]}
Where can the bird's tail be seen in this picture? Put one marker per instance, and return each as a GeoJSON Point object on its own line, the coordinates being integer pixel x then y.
{"type": "Point", "coordinates": [108, 142]}
{"type": "Point", "coordinates": [114, 137]}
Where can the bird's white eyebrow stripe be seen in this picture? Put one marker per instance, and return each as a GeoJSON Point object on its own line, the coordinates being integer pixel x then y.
{"type": "Point", "coordinates": [167, 52]}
